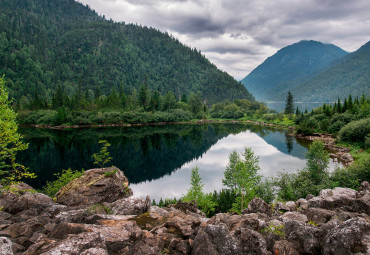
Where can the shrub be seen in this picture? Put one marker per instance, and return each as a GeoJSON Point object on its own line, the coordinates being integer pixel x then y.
{"type": "Point", "coordinates": [355, 131]}
{"type": "Point", "coordinates": [63, 178]}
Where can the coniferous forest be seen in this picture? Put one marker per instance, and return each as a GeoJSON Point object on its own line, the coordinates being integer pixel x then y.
{"type": "Point", "coordinates": [49, 47]}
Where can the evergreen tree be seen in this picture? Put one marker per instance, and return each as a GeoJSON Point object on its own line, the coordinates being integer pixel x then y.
{"type": "Point", "coordinates": [289, 104]}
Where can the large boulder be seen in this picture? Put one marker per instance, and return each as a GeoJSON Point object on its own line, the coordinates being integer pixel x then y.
{"type": "Point", "coordinates": [21, 197]}
{"type": "Point", "coordinates": [131, 206]}
{"type": "Point", "coordinates": [72, 245]}
{"type": "Point", "coordinates": [214, 239]}
{"type": "Point", "coordinates": [95, 186]}
{"type": "Point", "coordinates": [250, 242]}
{"type": "Point", "coordinates": [305, 237]}
{"type": "Point", "coordinates": [334, 198]}
{"type": "Point", "coordinates": [5, 246]}
{"type": "Point", "coordinates": [352, 236]}
{"type": "Point", "coordinates": [257, 205]}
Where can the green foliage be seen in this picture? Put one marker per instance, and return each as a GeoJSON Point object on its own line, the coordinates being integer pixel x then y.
{"type": "Point", "coordinates": [289, 104]}
{"type": "Point", "coordinates": [63, 178]}
{"type": "Point", "coordinates": [10, 142]}
{"type": "Point", "coordinates": [241, 174]}
{"type": "Point", "coordinates": [266, 191]}
{"type": "Point", "coordinates": [355, 131]}
{"type": "Point", "coordinates": [274, 229]}
{"type": "Point", "coordinates": [110, 173]}
{"type": "Point", "coordinates": [165, 202]}
{"type": "Point", "coordinates": [317, 161]}
{"type": "Point", "coordinates": [99, 209]}
{"type": "Point", "coordinates": [223, 200]}
{"type": "Point", "coordinates": [204, 201]}
{"type": "Point", "coordinates": [102, 158]}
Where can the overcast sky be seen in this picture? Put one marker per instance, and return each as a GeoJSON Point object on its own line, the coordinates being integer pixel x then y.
{"type": "Point", "coordinates": [238, 35]}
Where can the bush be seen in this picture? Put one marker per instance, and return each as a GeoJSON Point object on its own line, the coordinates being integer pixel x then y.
{"type": "Point", "coordinates": [63, 178]}
{"type": "Point", "coordinates": [355, 131]}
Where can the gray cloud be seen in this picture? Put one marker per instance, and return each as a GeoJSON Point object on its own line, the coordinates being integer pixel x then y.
{"type": "Point", "coordinates": [238, 35]}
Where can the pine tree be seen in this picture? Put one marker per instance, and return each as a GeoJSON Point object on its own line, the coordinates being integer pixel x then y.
{"type": "Point", "coordinates": [289, 105]}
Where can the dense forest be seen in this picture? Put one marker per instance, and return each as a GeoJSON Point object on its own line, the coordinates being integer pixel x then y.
{"type": "Point", "coordinates": [45, 44]}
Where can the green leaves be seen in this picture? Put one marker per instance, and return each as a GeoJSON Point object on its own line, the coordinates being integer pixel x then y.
{"type": "Point", "coordinates": [241, 174]}
{"type": "Point", "coordinates": [10, 142]}
{"type": "Point", "coordinates": [102, 158]}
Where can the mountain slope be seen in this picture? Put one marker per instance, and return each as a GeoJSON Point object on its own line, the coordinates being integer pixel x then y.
{"type": "Point", "coordinates": [351, 75]}
{"type": "Point", "coordinates": [44, 43]}
{"type": "Point", "coordinates": [289, 66]}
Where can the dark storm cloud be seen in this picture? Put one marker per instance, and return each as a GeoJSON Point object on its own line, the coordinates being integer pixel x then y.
{"type": "Point", "coordinates": [238, 35]}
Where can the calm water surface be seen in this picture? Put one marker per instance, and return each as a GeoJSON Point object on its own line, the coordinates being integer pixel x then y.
{"type": "Point", "coordinates": [158, 160]}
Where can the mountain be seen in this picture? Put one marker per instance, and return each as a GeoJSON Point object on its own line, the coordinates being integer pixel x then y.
{"type": "Point", "coordinates": [350, 75]}
{"type": "Point", "coordinates": [289, 67]}
{"type": "Point", "coordinates": [44, 43]}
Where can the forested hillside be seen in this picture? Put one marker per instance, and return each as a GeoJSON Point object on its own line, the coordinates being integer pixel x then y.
{"type": "Point", "coordinates": [351, 75]}
{"type": "Point", "coordinates": [288, 67]}
{"type": "Point", "coordinates": [46, 43]}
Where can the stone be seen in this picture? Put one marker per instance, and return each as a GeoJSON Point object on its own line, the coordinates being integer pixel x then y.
{"type": "Point", "coordinates": [72, 245]}
{"type": "Point", "coordinates": [95, 186]}
{"type": "Point", "coordinates": [302, 203]}
{"type": "Point", "coordinates": [250, 242]}
{"type": "Point", "coordinates": [73, 216]}
{"type": "Point", "coordinates": [281, 207]}
{"type": "Point", "coordinates": [63, 229]}
{"type": "Point", "coordinates": [319, 215]}
{"type": "Point", "coordinates": [95, 251]}
{"type": "Point", "coordinates": [283, 247]}
{"type": "Point", "coordinates": [131, 206]}
{"type": "Point", "coordinates": [289, 216]}
{"type": "Point", "coordinates": [6, 246]}
{"type": "Point", "coordinates": [305, 237]}
{"type": "Point", "coordinates": [149, 244]}
{"type": "Point", "coordinates": [257, 205]}
{"type": "Point", "coordinates": [291, 205]}
{"type": "Point", "coordinates": [347, 238]}
{"type": "Point", "coordinates": [334, 198]}
{"type": "Point", "coordinates": [214, 239]}
{"type": "Point", "coordinates": [21, 197]}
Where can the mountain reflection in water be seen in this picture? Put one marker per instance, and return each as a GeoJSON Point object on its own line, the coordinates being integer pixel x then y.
{"type": "Point", "coordinates": [158, 159]}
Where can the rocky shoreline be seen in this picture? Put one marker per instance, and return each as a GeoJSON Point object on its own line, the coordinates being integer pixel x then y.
{"type": "Point", "coordinates": [337, 152]}
{"type": "Point", "coordinates": [96, 214]}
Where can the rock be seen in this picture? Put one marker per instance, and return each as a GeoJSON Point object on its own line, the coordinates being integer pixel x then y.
{"type": "Point", "coordinates": [117, 234]}
{"type": "Point", "coordinates": [181, 226]}
{"type": "Point", "coordinates": [347, 238]}
{"type": "Point", "coordinates": [188, 207]}
{"type": "Point", "coordinates": [63, 229]}
{"type": "Point", "coordinates": [250, 242]}
{"type": "Point", "coordinates": [305, 237]}
{"type": "Point", "coordinates": [291, 205]}
{"type": "Point", "coordinates": [149, 244]}
{"type": "Point", "coordinates": [214, 239]}
{"type": "Point", "coordinates": [95, 251]}
{"type": "Point", "coordinates": [131, 206]}
{"type": "Point", "coordinates": [289, 216]}
{"type": "Point", "coordinates": [6, 246]}
{"type": "Point", "coordinates": [302, 203]}
{"type": "Point", "coordinates": [72, 245]}
{"type": "Point", "coordinates": [21, 197]}
{"type": "Point", "coordinates": [73, 216]}
{"type": "Point", "coordinates": [334, 198]}
{"type": "Point", "coordinates": [257, 205]}
{"type": "Point", "coordinates": [281, 207]}
{"type": "Point", "coordinates": [309, 196]}
{"type": "Point", "coordinates": [283, 247]}
{"type": "Point", "coordinates": [95, 186]}
{"type": "Point", "coordinates": [319, 215]}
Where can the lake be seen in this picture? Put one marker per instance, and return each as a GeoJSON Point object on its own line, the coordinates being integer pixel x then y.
{"type": "Point", "coordinates": [158, 160]}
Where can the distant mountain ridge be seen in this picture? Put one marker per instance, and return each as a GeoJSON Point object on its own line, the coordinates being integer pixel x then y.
{"type": "Point", "coordinates": [44, 43]}
{"type": "Point", "coordinates": [290, 66]}
{"type": "Point", "coordinates": [349, 75]}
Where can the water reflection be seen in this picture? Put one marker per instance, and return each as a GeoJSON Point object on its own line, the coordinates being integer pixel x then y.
{"type": "Point", "coordinates": [158, 160]}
